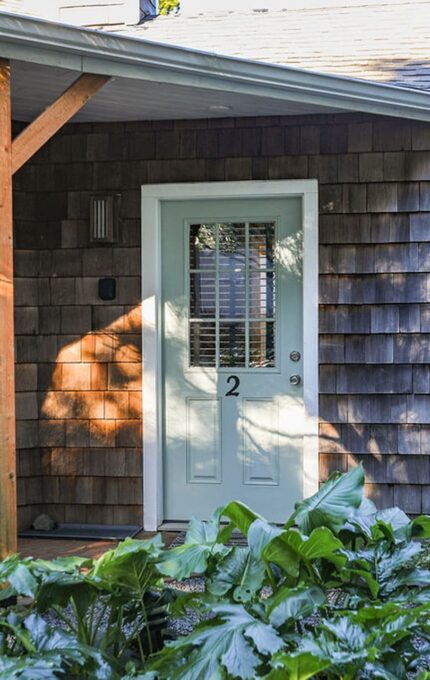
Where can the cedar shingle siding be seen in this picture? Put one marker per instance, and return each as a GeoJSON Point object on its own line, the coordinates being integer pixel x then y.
{"type": "Point", "coordinates": [78, 358]}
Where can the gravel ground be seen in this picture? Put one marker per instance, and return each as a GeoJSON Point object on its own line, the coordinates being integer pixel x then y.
{"type": "Point", "coordinates": [184, 625]}
{"type": "Point", "coordinates": [176, 626]}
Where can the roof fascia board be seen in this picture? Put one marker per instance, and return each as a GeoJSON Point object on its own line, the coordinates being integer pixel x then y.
{"type": "Point", "coordinates": [38, 55]}
{"type": "Point", "coordinates": [83, 50]}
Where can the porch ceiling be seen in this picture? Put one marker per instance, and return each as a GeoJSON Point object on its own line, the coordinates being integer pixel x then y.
{"type": "Point", "coordinates": [35, 86]}
{"type": "Point", "coordinates": [155, 81]}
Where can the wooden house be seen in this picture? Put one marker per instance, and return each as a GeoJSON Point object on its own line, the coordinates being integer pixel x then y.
{"type": "Point", "coordinates": [214, 271]}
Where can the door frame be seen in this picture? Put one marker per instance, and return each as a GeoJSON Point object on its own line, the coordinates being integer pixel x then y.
{"type": "Point", "coordinates": [152, 374]}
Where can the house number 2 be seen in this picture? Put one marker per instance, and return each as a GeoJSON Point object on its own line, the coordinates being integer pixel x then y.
{"type": "Point", "coordinates": [232, 392]}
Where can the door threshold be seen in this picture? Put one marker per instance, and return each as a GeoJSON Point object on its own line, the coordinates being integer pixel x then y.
{"type": "Point", "coordinates": [181, 525]}
{"type": "Point", "coordinates": [173, 526]}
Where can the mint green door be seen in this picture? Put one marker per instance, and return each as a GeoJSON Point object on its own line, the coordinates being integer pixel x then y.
{"type": "Point", "coordinates": [232, 355]}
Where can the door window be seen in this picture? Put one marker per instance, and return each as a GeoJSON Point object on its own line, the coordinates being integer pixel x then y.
{"type": "Point", "coordinates": [232, 305]}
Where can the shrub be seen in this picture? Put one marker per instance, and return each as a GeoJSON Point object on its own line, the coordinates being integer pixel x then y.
{"type": "Point", "coordinates": [110, 609]}
{"type": "Point", "coordinates": [334, 593]}
{"type": "Point", "coordinates": [337, 592]}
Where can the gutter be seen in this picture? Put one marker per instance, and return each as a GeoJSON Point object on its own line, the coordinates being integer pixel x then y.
{"type": "Point", "coordinates": [91, 51]}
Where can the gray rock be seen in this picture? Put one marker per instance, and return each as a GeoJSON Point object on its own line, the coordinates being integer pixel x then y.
{"type": "Point", "coordinates": [44, 523]}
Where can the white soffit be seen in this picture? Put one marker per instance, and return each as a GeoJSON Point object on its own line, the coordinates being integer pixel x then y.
{"type": "Point", "coordinates": [34, 87]}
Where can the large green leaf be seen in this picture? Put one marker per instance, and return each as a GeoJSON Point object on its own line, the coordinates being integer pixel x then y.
{"type": "Point", "coordinates": [26, 575]}
{"type": "Point", "coordinates": [378, 637]}
{"type": "Point", "coordinates": [63, 564]}
{"type": "Point", "coordinates": [290, 549]}
{"type": "Point", "coordinates": [241, 516]}
{"type": "Point", "coordinates": [388, 563]}
{"type": "Point", "coordinates": [56, 641]}
{"type": "Point", "coordinates": [333, 504]}
{"type": "Point", "coordinates": [395, 517]}
{"type": "Point", "coordinates": [148, 549]}
{"type": "Point", "coordinates": [58, 589]}
{"type": "Point", "coordinates": [421, 526]}
{"type": "Point", "coordinates": [260, 534]}
{"type": "Point", "coordinates": [294, 604]}
{"type": "Point", "coordinates": [352, 578]}
{"type": "Point", "coordinates": [47, 639]}
{"type": "Point", "coordinates": [184, 561]}
{"type": "Point", "coordinates": [238, 573]}
{"type": "Point", "coordinates": [17, 574]}
{"type": "Point", "coordinates": [342, 642]}
{"type": "Point", "coordinates": [377, 670]}
{"type": "Point", "coordinates": [31, 668]}
{"type": "Point", "coordinates": [346, 630]}
{"type": "Point", "coordinates": [8, 565]}
{"type": "Point", "coordinates": [46, 652]}
{"type": "Point", "coordinates": [297, 666]}
{"type": "Point", "coordinates": [130, 567]}
{"type": "Point", "coordinates": [23, 581]}
{"type": "Point", "coordinates": [376, 614]}
{"type": "Point", "coordinates": [192, 557]}
{"type": "Point", "coordinates": [359, 572]}
{"type": "Point", "coordinates": [361, 519]}
{"type": "Point", "coordinates": [390, 523]}
{"type": "Point", "coordinates": [233, 643]}
{"type": "Point", "coordinates": [415, 578]}
{"type": "Point", "coordinates": [202, 532]}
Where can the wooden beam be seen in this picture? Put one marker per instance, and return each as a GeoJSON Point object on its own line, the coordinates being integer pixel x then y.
{"type": "Point", "coordinates": [12, 156]}
{"type": "Point", "coordinates": [37, 133]}
{"type": "Point", "coordinates": [8, 523]}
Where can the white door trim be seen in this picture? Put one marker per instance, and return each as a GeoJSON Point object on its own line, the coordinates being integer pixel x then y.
{"type": "Point", "coordinates": [152, 196]}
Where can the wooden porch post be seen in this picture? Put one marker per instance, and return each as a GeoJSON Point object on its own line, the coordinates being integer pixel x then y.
{"type": "Point", "coordinates": [13, 155]}
{"type": "Point", "coordinates": [8, 524]}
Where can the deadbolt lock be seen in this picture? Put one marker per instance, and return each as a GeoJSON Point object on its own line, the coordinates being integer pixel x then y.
{"type": "Point", "coordinates": [295, 379]}
{"type": "Point", "coordinates": [295, 355]}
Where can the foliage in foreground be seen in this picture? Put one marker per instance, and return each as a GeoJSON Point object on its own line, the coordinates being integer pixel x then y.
{"type": "Point", "coordinates": [337, 592]}
{"type": "Point", "coordinates": [334, 593]}
{"type": "Point", "coordinates": [110, 608]}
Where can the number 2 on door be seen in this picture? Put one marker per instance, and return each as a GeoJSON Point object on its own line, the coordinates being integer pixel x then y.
{"type": "Point", "coordinates": [233, 392]}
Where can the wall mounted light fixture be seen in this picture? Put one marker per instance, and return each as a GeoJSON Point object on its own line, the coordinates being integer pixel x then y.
{"type": "Point", "coordinates": [104, 218]}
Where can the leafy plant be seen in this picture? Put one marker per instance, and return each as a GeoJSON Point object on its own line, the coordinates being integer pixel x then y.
{"type": "Point", "coordinates": [114, 606]}
{"type": "Point", "coordinates": [334, 593]}
{"type": "Point", "coordinates": [340, 591]}
{"type": "Point", "coordinates": [31, 649]}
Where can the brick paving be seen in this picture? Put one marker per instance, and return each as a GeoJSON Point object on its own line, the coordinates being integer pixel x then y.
{"type": "Point", "coordinates": [50, 548]}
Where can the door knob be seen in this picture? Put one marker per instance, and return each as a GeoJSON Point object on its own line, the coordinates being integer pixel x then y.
{"type": "Point", "coordinates": [295, 355]}
{"type": "Point", "coordinates": [295, 379]}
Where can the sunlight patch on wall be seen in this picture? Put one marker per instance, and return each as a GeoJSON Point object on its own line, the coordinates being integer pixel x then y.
{"type": "Point", "coordinates": [96, 384]}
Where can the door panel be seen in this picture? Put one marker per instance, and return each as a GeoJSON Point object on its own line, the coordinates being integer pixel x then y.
{"type": "Point", "coordinates": [231, 315]}
{"type": "Point", "coordinates": [203, 441]}
{"type": "Point", "coordinates": [260, 432]}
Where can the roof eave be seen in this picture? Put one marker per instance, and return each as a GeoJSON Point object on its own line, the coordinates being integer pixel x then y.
{"type": "Point", "coordinates": [91, 51]}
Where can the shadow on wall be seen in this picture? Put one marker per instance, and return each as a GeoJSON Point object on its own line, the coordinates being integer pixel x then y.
{"type": "Point", "coordinates": [335, 456]}
{"type": "Point", "coordinates": [392, 455]}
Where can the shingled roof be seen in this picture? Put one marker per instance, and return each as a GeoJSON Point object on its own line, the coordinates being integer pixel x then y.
{"type": "Point", "coordinates": [373, 40]}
